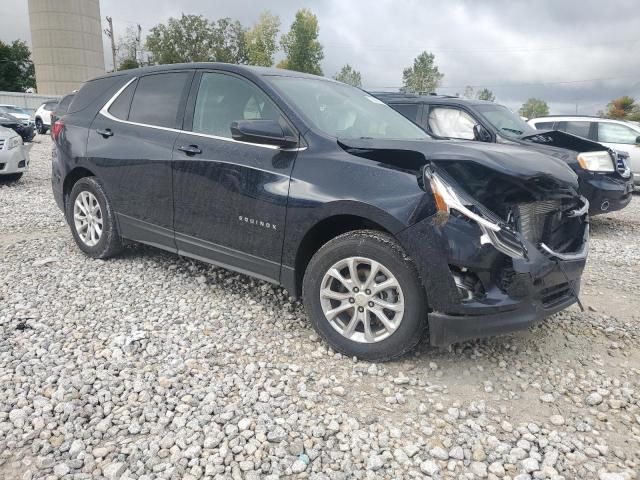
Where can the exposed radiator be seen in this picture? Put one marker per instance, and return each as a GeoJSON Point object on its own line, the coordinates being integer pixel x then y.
{"type": "Point", "coordinates": [532, 218]}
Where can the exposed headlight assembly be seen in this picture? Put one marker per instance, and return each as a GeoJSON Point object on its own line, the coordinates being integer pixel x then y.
{"type": "Point", "coordinates": [14, 142]}
{"type": "Point", "coordinates": [596, 161]}
{"type": "Point", "coordinates": [448, 197]}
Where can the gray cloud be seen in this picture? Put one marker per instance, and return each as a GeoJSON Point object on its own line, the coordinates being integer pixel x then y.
{"type": "Point", "coordinates": [545, 49]}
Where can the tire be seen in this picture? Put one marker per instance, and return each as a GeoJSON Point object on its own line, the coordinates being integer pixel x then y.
{"type": "Point", "coordinates": [40, 128]}
{"type": "Point", "coordinates": [108, 243]}
{"type": "Point", "coordinates": [11, 178]}
{"type": "Point", "coordinates": [365, 246]}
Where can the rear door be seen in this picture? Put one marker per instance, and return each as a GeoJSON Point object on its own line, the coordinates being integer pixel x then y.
{"type": "Point", "coordinates": [230, 197]}
{"type": "Point", "coordinates": [131, 144]}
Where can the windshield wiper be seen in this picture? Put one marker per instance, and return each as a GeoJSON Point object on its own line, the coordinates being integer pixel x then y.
{"type": "Point", "coordinates": [512, 130]}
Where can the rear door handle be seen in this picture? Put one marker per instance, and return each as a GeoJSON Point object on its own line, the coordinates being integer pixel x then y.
{"type": "Point", "coordinates": [190, 149]}
{"type": "Point", "coordinates": [106, 133]}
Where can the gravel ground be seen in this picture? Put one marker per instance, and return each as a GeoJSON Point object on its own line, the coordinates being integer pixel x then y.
{"type": "Point", "coordinates": [154, 366]}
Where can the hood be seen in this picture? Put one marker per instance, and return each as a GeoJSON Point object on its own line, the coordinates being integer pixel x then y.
{"type": "Point", "coordinates": [560, 144]}
{"type": "Point", "coordinates": [522, 163]}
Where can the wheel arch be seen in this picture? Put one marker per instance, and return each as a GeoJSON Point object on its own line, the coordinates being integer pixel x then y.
{"type": "Point", "coordinates": [71, 178]}
{"type": "Point", "coordinates": [319, 234]}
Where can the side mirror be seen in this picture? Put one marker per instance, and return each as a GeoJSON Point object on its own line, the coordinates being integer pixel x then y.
{"type": "Point", "coordinates": [481, 134]}
{"type": "Point", "coordinates": [264, 132]}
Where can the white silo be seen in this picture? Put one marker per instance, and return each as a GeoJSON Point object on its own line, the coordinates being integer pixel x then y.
{"type": "Point", "coordinates": [66, 39]}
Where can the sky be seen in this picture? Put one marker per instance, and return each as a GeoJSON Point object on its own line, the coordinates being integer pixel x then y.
{"type": "Point", "coordinates": [576, 55]}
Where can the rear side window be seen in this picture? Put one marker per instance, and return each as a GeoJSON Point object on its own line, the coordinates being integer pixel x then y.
{"type": "Point", "coordinates": [92, 91]}
{"type": "Point", "coordinates": [581, 129]}
{"type": "Point", "coordinates": [223, 99]}
{"type": "Point", "coordinates": [157, 99]}
{"type": "Point", "coordinates": [120, 108]}
{"type": "Point", "coordinates": [616, 133]}
{"type": "Point", "coordinates": [409, 110]}
{"type": "Point", "coordinates": [543, 125]}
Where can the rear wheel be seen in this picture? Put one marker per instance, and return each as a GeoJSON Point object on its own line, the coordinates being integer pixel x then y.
{"type": "Point", "coordinates": [364, 297]}
{"type": "Point", "coordinates": [92, 219]}
{"type": "Point", "coordinates": [40, 128]}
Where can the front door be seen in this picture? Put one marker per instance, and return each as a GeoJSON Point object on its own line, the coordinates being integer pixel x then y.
{"type": "Point", "coordinates": [230, 197]}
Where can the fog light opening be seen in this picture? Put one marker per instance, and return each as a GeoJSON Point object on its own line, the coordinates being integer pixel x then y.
{"type": "Point", "coordinates": [468, 284]}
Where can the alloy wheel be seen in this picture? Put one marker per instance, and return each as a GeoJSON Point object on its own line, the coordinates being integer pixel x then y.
{"type": "Point", "coordinates": [87, 217]}
{"type": "Point", "coordinates": [362, 299]}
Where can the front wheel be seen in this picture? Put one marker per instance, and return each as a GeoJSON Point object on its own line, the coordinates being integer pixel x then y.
{"type": "Point", "coordinates": [92, 219]}
{"type": "Point", "coordinates": [364, 296]}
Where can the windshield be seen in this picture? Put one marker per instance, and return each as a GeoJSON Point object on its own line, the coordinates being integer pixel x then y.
{"type": "Point", "coordinates": [342, 111]}
{"type": "Point", "coordinates": [505, 121]}
{"type": "Point", "coordinates": [10, 109]}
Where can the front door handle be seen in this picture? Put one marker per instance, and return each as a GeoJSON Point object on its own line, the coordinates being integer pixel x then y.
{"type": "Point", "coordinates": [106, 133]}
{"type": "Point", "coordinates": [190, 149]}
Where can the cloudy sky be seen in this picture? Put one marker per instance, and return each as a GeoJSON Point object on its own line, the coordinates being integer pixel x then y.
{"type": "Point", "coordinates": [570, 52]}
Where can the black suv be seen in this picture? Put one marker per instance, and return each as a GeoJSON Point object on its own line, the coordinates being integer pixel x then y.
{"type": "Point", "coordinates": [318, 186]}
{"type": "Point", "coordinates": [604, 175]}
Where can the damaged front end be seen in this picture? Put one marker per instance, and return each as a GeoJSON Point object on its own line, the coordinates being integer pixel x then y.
{"type": "Point", "coordinates": [514, 249]}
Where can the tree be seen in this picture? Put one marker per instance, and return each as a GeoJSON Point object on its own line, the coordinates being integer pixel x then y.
{"type": "Point", "coordinates": [129, 49]}
{"type": "Point", "coordinates": [486, 94]}
{"type": "Point", "coordinates": [228, 42]}
{"type": "Point", "coordinates": [17, 72]}
{"type": "Point", "coordinates": [423, 76]}
{"type": "Point", "coordinates": [261, 40]}
{"type": "Point", "coordinates": [349, 75]}
{"type": "Point", "coordinates": [301, 46]}
{"type": "Point", "coordinates": [623, 108]}
{"type": "Point", "coordinates": [468, 92]}
{"type": "Point", "coordinates": [534, 107]}
{"type": "Point", "coordinates": [184, 39]}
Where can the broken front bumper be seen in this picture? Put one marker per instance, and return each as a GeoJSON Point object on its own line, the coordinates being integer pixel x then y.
{"type": "Point", "coordinates": [504, 293]}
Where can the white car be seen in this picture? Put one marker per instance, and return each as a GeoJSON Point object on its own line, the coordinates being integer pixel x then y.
{"type": "Point", "coordinates": [42, 117]}
{"type": "Point", "coordinates": [616, 134]}
{"type": "Point", "coordinates": [17, 112]}
{"type": "Point", "coordinates": [14, 158]}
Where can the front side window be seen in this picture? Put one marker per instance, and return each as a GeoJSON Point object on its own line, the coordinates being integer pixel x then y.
{"type": "Point", "coordinates": [451, 123]}
{"type": "Point", "coordinates": [505, 121]}
{"type": "Point", "coordinates": [223, 99]}
{"type": "Point", "coordinates": [343, 111]}
{"type": "Point", "coordinates": [616, 133]}
{"type": "Point", "coordinates": [157, 99]}
{"type": "Point", "coordinates": [581, 129]}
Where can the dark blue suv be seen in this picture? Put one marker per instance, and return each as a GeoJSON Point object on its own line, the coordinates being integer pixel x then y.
{"type": "Point", "coordinates": [322, 188]}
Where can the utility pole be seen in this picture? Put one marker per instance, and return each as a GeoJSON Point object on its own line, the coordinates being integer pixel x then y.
{"type": "Point", "coordinates": [139, 46]}
{"type": "Point", "coordinates": [109, 32]}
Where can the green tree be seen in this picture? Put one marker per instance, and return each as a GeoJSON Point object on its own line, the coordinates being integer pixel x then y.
{"type": "Point", "coordinates": [17, 72]}
{"type": "Point", "coordinates": [623, 108]}
{"type": "Point", "coordinates": [228, 42]}
{"type": "Point", "coordinates": [486, 94]}
{"type": "Point", "coordinates": [350, 76]}
{"type": "Point", "coordinates": [423, 76]}
{"type": "Point", "coordinates": [261, 40]}
{"type": "Point", "coordinates": [301, 46]}
{"type": "Point", "coordinates": [534, 107]}
{"type": "Point", "coordinates": [185, 39]}
{"type": "Point", "coordinates": [128, 64]}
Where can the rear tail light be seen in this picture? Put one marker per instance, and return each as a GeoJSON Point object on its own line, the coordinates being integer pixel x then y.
{"type": "Point", "coordinates": [57, 128]}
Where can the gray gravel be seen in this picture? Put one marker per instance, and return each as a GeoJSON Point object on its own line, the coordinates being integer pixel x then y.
{"type": "Point", "coordinates": [154, 366]}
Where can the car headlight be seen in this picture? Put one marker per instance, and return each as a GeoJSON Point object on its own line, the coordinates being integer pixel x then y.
{"type": "Point", "coordinates": [14, 142]}
{"type": "Point", "coordinates": [448, 197]}
{"type": "Point", "coordinates": [596, 161]}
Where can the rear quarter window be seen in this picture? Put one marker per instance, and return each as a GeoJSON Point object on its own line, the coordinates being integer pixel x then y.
{"type": "Point", "coordinates": [543, 125]}
{"type": "Point", "coordinates": [409, 110]}
{"type": "Point", "coordinates": [92, 91]}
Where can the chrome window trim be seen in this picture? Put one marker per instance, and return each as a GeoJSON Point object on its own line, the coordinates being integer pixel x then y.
{"type": "Point", "coordinates": [104, 111]}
